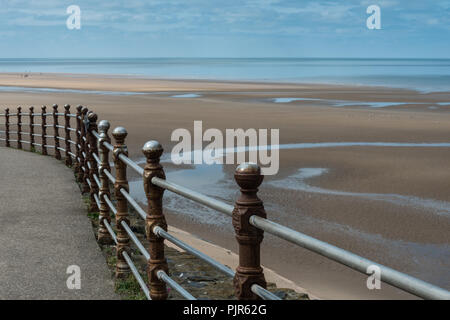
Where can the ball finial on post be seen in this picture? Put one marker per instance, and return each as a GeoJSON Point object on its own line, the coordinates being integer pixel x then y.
{"type": "Point", "coordinates": [103, 126]}
{"type": "Point", "coordinates": [152, 150]}
{"type": "Point", "coordinates": [248, 176]}
{"type": "Point", "coordinates": [119, 134]}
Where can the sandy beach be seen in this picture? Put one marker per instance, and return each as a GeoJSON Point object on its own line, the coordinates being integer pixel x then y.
{"type": "Point", "coordinates": [390, 204]}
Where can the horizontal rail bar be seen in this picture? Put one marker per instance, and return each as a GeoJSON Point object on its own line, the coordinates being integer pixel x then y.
{"type": "Point", "coordinates": [133, 165]}
{"type": "Point", "coordinates": [194, 196]}
{"type": "Point", "coordinates": [97, 181]}
{"type": "Point", "coordinates": [96, 158]}
{"type": "Point", "coordinates": [137, 275]}
{"type": "Point", "coordinates": [162, 233]}
{"type": "Point", "coordinates": [110, 230]}
{"type": "Point", "coordinates": [72, 115]}
{"type": "Point", "coordinates": [174, 285]}
{"type": "Point", "coordinates": [71, 129]}
{"type": "Point", "coordinates": [133, 202]}
{"type": "Point", "coordinates": [109, 176]}
{"type": "Point", "coordinates": [72, 155]}
{"type": "Point", "coordinates": [97, 200]}
{"type": "Point", "coordinates": [72, 142]}
{"type": "Point", "coordinates": [263, 293]}
{"type": "Point", "coordinates": [110, 204]}
{"type": "Point", "coordinates": [256, 289]}
{"type": "Point", "coordinates": [95, 133]}
{"type": "Point", "coordinates": [135, 240]}
{"type": "Point", "coordinates": [108, 146]}
{"type": "Point", "coordinates": [397, 279]}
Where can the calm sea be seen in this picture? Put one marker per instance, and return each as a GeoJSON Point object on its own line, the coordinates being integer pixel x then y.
{"type": "Point", "coordinates": [420, 74]}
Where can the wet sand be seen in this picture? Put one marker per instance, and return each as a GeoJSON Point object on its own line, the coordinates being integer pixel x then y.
{"type": "Point", "coordinates": [349, 204]}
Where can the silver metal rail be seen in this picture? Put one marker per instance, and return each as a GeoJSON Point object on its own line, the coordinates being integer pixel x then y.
{"type": "Point", "coordinates": [258, 290]}
{"type": "Point", "coordinates": [193, 195]}
{"type": "Point", "coordinates": [110, 204]}
{"type": "Point", "coordinates": [398, 279]}
{"type": "Point", "coordinates": [133, 165]}
{"type": "Point", "coordinates": [133, 202]}
{"type": "Point", "coordinates": [135, 240]}
{"type": "Point", "coordinates": [108, 146]}
{"type": "Point", "coordinates": [137, 275]}
{"type": "Point", "coordinates": [174, 285]}
{"type": "Point", "coordinates": [109, 176]}
{"type": "Point", "coordinates": [97, 181]}
{"type": "Point", "coordinates": [97, 200]}
{"type": "Point", "coordinates": [96, 158]}
{"type": "Point", "coordinates": [110, 230]}
{"type": "Point", "coordinates": [162, 233]}
{"type": "Point", "coordinates": [130, 263]}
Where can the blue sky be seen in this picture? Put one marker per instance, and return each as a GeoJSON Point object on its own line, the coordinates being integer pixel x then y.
{"type": "Point", "coordinates": [224, 28]}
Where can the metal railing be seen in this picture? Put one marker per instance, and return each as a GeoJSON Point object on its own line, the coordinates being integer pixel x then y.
{"type": "Point", "coordinates": [92, 168]}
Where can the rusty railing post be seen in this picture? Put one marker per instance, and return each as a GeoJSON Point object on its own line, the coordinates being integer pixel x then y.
{"type": "Point", "coordinates": [155, 217]}
{"type": "Point", "coordinates": [32, 148]}
{"type": "Point", "coordinates": [123, 241]}
{"type": "Point", "coordinates": [249, 272]}
{"type": "Point", "coordinates": [44, 130]}
{"type": "Point", "coordinates": [19, 128]}
{"type": "Point", "coordinates": [93, 169]}
{"type": "Point", "coordinates": [84, 151]}
{"type": "Point", "coordinates": [56, 132]}
{"type": "Point", "coordinates": [68, 159]}
{"type": "Point", "coordinates": [77, 168]}
{"type": "Point", "coordinates": [103, 235]}
{"type": "Point", "coordinates": [8, 144]}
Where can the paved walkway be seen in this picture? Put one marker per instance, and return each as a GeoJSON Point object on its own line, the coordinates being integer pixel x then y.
{"type": "Point", "coordinates": [44, 230]}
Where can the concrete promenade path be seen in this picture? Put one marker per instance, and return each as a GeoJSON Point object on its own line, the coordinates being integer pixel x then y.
{"type": "Point", "coordinates": [44, 230]}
